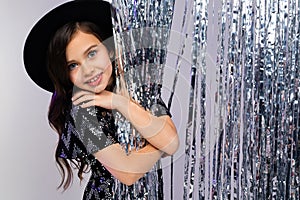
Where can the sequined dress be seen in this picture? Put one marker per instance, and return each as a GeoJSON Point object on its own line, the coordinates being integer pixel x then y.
{"type": "Point", "coordinates": [92, 129]}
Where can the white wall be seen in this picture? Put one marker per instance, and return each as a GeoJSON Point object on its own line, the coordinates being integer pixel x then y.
{"type": "Point", "coordinates": [27, 143]}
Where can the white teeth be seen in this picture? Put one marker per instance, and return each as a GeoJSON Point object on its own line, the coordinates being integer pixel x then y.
{"type": "Point", "coordinates": [94, 79]}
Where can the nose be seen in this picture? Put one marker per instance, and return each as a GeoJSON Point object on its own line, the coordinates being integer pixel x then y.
{"type": "Point", "coordinates": [87, 69]}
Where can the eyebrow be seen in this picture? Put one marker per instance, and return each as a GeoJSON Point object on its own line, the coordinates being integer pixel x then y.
{"type": "Point", "coordinates": [84, 53]}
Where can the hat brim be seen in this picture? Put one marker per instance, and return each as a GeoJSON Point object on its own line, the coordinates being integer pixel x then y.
{"type": "Point", "coordinates": [36, 44]}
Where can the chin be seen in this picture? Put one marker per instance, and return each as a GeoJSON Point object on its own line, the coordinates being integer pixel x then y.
{"type": "Point", "coordinates": [98, 89]}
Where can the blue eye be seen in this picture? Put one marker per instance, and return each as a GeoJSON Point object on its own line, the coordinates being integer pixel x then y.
{"type": "Point", "coordinates": [92, 53]}
{"type": "Point", "coordinates": [72, 66]}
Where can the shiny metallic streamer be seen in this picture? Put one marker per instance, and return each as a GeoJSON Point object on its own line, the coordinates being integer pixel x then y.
{"type": "Point", "coordinates": [195, 144]}
{"type": "Point", "coordinates": [184, 30]}
{"type": "Point", "coordinates": [257, 152]}
{"type": "Point", "coordinates": [183, 39]}
{"type": "Point", "coordinates": [141, 30]}
{"type": "Point", "coordinates": [141, 33]}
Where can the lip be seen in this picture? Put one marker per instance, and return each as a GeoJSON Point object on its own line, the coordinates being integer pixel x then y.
{"type": "Point", "coordinates": [95, 80]}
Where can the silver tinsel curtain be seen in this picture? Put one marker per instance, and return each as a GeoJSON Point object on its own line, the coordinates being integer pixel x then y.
{"type": "Point", "coordinates": [141, 33]}
{"type": "Point", "coordinates": [141, 30]}
{"type": "Point", "coordinates": [257, 153]}
{"type": "Point", "coordinates": [252, 151]}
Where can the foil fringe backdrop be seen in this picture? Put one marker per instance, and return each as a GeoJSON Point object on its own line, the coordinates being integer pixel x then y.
{"type": "Point", "coordinates": [141, 33]}
{"type": "Point", "coordinates": [259, 125]}
{"type": "Point", "coordinates": [195, 130]}
{"type": "Point", "coordinates": [183, 29]}
{"type": "Point", "coordinates": [256, 154]}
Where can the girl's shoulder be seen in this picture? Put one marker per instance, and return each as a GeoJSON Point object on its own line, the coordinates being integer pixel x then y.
{"type": "Point", "coordinates": [87, 130]}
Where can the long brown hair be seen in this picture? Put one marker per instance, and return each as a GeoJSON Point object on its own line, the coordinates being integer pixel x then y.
{"type": "Point", "coordinates": [61, 98]}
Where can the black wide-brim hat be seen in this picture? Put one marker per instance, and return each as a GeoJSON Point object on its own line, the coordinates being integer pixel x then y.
{"type": "Point", "coordinates": [37, 42]}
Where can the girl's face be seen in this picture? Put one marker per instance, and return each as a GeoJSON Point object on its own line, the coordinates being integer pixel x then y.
{"type": "Point", "coordinates": [88, 62]}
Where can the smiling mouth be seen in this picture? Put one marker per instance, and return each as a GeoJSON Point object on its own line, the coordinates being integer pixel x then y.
{"type": "Point", "coordinates": [95, 80]}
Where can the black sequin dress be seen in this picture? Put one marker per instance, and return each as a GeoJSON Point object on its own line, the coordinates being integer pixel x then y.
{"type": "Point", "coordinates": [92, 129]}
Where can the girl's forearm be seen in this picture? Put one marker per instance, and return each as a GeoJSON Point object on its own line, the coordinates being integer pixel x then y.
{"type": "Point", "coordinates": [136, 162]}
{"type": "Point", "coordinates": [159, 131]}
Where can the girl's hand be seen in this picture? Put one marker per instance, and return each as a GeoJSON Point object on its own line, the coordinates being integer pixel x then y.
{"type": "Point", "coordinates": [104, 99]}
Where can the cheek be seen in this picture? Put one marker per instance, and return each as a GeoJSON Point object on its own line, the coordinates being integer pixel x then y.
{"type": "Point", "coordinates": [73, 76]}
{"type": "Point", "coordinates": [109, 76]}
{"type": "Point", "coordinates": [110, 70]}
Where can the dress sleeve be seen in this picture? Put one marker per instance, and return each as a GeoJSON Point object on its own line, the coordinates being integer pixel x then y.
{"type": "Point", "coordinates": [159, 108]}
{"type": "Point", "coordinates": [149, 97]}
{"type": "Point", "coordinates": [87, 130]}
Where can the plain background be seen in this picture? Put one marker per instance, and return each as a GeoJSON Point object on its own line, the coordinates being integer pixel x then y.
{"type": "Point", "coordinates": [27, 143]}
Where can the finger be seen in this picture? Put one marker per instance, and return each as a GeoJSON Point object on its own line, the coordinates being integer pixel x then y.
{"type": "Point", "coordinates": [88, 104]}
{"type": "Point", "coordinates": [79, 94]}
{"type": "Point", "coordinates": [84, 99]}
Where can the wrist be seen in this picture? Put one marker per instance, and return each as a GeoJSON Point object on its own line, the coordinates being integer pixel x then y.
{"type": "Point", "coordinates": [120, 102]}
